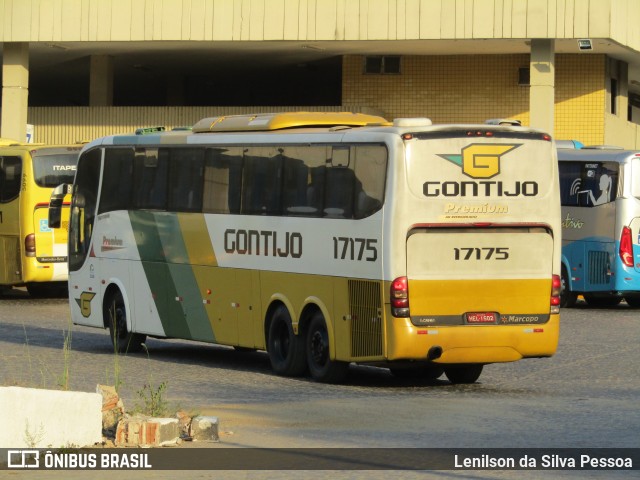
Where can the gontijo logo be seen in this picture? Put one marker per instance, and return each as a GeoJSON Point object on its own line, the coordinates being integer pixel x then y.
{"type": "Point", "coordinates": [480, 160]}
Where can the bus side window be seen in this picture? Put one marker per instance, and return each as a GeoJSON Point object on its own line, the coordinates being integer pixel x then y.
{"type": "Point", "coordinates": [371, 167]}
{"type": "Point", "coordinates": [303, 180]}
{"type": "Point", "coordinates": [116, 180]}
{"type": "Point", "coordinates": [262, 181]}
{"type": "Point", "coordinates": [222, 180]}
{"type": "Point", "coordinates": [339, 191]}
{"type": "Point", "coordinates": [83, 207]}
{"type": "Point", "coordinates": [150, 177]}
{"type": "Point", "coordinates": [570, 183]}
{"type": "Point", "coordinates": [10, 175]}
{"type": "Point", "coordinates": [315, 189]}
{"type": "Point", "coordinates": [186, 179]}
{"type": "Point", "coordinates": [588, 184]}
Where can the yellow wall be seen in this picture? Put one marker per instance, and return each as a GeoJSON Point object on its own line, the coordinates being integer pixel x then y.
{"type": "Point", "coordinates": [446, 89]}
{"type": "Point", "coordinates": [474, 88]}
{"type": "Point", "coordinates": [580, 98]}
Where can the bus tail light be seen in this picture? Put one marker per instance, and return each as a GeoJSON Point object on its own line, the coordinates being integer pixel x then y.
{"type": "Point", "coordinates": [556, 290]}
{"type": "Point", "coordinates": [626, 247]}
{"type": "Point", "coordinates": [400, 297]}
{"type": "Point", "coordinates": [30, 245]}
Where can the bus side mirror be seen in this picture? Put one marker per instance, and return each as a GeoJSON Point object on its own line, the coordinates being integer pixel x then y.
{"type": "Point", "coordinates": [55, 204]}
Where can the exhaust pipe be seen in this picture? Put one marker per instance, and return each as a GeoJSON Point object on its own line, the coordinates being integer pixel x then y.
{"type": "Point", "coordinates": [434, 353]}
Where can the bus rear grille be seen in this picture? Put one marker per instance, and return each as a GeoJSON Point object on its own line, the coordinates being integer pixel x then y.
{"type": "Point", "coordinates": [366, 318]}
{"type": "Point", "coordinates": [598, 268]}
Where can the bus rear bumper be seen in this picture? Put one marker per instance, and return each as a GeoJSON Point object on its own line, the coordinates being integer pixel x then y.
{"type": "Point", "coordinates": [472, 344]}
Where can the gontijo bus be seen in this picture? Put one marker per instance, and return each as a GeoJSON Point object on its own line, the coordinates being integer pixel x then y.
{"type": "Point", "coordinates": [31, 253]}
{"type": "Point", "coordinates": [600, 225]}
{"type": "Point", "coordinates": [325, 239]}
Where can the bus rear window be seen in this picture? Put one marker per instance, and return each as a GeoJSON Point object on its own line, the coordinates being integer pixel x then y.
{"type": "Point", "coordinates": [52, 170]}
{"type": "Point", "coordinates": [588, 184]}
{"type": "Point", "coordinates": [635, 175]}
{"type": "Point", "coordinates": [10, 174]}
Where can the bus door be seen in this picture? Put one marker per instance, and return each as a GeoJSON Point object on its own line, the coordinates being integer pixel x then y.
{"type": "Point", "coordinates": [10, 183]}
{"type": "Point", "coordinates": [250, 333]}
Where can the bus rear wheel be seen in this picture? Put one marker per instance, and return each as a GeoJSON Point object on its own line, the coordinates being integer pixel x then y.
{"type": "Point", "coordinates": [116, 318]}
{"type": "Point", "coordinates": [633, 301]}
{"type": "Point", "coordinates": [463, 373]}
{"type": "Point", "coordinates": [602, 300]}
{"type": "Point", "coordinates": [286, 350]}
{"type": "Point", "coordinates": [321, 367]}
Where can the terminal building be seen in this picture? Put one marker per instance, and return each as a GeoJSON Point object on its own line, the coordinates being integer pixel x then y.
{"type": "Point", "coordinates": [74, 70]}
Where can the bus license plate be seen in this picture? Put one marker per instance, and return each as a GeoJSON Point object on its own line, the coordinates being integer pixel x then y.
{"type": "Point", "coordinates": [482, 317]}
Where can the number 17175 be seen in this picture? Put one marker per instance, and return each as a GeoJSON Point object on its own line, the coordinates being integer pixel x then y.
{"type": "Point", "coordinates": [484, 253]}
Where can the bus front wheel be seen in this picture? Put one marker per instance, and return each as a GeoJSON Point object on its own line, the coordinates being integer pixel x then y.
{"type": "Point", "coordinates": [123, 340]}
{"type": "Point", "coordinates": [568, 298]}
{"type": "Point", "coordinates": [286, 350]}
{"type": "Point", "coordinates": [321, 367]}
{"type": "Point", "coordinates": [463, 373]}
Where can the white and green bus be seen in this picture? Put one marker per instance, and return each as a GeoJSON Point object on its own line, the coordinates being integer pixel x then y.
{"type": "Point", "coordinates": [325, 239]}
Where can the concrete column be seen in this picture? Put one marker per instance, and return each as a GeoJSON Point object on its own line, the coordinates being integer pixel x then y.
{"type": "Point", "coordinates": [15, 91]}
{"type": "Point", "coordinates": [101, 81]}
{"type": "Point", "coordinates": [542, 91]}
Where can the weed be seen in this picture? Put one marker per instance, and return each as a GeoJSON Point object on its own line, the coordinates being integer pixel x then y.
{"type": "Point", "coordinates": [117, 380]}
{"type": "Point", "coordinates": [63, 380]}
{"type": "Point", "coordinates": [153, 401]}
{"type": "Point", "coordinates": [33, 438]}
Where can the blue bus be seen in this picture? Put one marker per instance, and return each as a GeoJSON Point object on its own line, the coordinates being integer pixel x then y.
{"type": "Point", "coordinates": [600, 225]}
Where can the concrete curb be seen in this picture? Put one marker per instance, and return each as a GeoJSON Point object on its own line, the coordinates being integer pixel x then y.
{"type": "Point", "coordinates": [38, 418]}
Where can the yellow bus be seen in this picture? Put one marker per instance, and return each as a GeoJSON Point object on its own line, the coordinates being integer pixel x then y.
{"type": "Point", "coordinates": [32, 254]}
{"type": "Point", "coordinates": [325, 239]}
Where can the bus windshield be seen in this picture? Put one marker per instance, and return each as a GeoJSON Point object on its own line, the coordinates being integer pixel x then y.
{"type": "Point", "coordinates": [50, 170]}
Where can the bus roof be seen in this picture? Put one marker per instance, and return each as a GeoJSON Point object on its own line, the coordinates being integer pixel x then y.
{"type": "Point", "coordinates": [279, 121]}
{"type": "Point", "coordinates": [597, 154]}
{"type": "Point", "coordinates": [4, 142]}
{"type": "Point", "coordinates": [41, 147]}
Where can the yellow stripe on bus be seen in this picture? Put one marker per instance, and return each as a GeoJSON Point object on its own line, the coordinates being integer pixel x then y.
{"type": "Point", "coordinates": [451, 297]}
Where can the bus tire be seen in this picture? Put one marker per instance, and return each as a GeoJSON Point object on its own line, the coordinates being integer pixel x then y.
{"type": "Point", "coordinates": [321, 367]}
{"type": "Point", "coordinates": [602, 300]}
{"type": "Point", "coordinates": [47, 289]}
{"type": "Point", "coordinates": [116, 318]}
{"type": "Point", "coordinates": [460, 374]}
{"type": "Point", "coordinates": [568, 298]}
{"type": "Point", "coordinates": [633, 301]}
{"type": "Point", "coordinates": [286, 349]}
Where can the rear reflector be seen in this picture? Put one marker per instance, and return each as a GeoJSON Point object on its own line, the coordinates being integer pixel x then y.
{"type": "Point", "coordinates": [626, 247]}
{"type": "Point", "coordinates": [400, 297]}
{"type": "Point", "coordinates": [556, 289]}
{"type": "Point", "coordinates": [30, 245]}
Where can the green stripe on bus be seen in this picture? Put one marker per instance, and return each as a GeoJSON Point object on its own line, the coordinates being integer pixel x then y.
{"type": "Point", "coordinates": [166, 266]}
